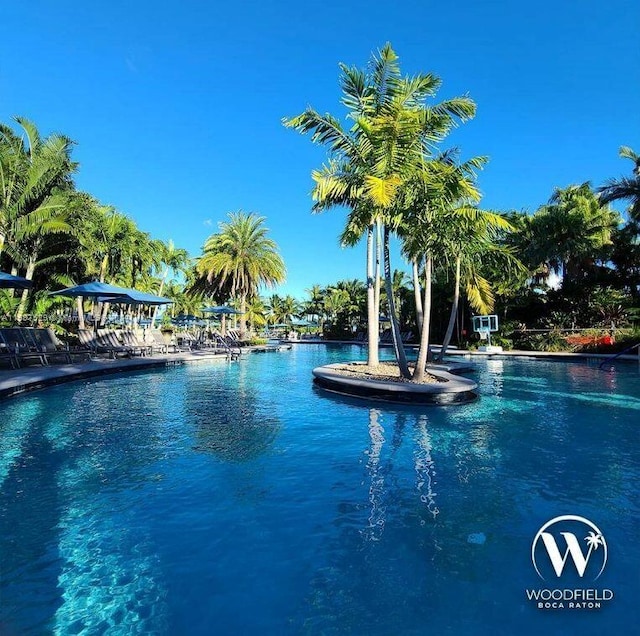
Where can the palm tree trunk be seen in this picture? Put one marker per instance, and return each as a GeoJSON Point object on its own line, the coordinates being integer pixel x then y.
{"type": "Point", "coordinates": [155, 309]}
{"type": "Point", "coordinates": [80, 307]}
{"type": "Point", "coordinates": [103, 313]}
{"type": "Point", "coordinates": [378, 276]}
{"type": "Point", "coordinates": [421, 363]}
{"type": "Point", "coordinates": [243, 319]}
{"type": "Point", "coordinates": [417, 295]}
{"type": "Point", "coordinates": [395, 327]}
{"type": "Point", "coordinates": [372, 322]}
{"type": "Point", "coordinates": [31, 266]}
{"type": "Point", "coordinates": [454, 312]}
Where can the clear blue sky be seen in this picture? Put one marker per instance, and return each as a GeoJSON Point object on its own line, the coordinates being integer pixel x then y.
{"type": "Point", "coordinates": [176, 106]}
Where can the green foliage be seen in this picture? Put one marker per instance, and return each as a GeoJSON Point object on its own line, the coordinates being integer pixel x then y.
{"type": "Point", "coordinates": [551, 341]}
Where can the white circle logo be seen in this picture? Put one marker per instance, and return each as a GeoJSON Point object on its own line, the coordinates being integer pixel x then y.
{"type": "Point", "coordinates": [569, 538]}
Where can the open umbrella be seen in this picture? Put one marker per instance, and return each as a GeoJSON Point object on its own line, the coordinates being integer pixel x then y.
{"type": "Point", "coordinates": [103, 292]}
{"type": "Point", "coordinates": [92, 290]}
{"type": "Point", "coordinates": [223, 311]}
{"type": "Point", "coordinates": [135, 297]}
{"type": "Point", "coordinates": [9, 281]}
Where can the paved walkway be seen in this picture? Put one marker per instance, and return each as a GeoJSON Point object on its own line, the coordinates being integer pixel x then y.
{"type": "Point", "coordinates": [15, 381]}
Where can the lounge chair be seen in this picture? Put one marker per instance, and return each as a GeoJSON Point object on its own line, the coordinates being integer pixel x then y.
{"type": "Point", "coordinates": [41, 341]}
{"type": "Point", "coordinates": [109, 338]}
{"type": "Point", "coordinates": [7, 355]}
{"type": "Point", "coordinates": [17, 344]}
{"type": "Point", "coordinates": [50, 342]}
{"type": "Point", "coordinates": [185, 341]}
{"type": "Point", "coordinates": [129, 339]}
{"type": "Point", "coordinates": [155, 338]}
{"type": "Point", "coordinates": [98, 344]}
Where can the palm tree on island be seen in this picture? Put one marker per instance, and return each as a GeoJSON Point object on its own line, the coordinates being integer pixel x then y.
{"type": "Point", "coordinates": [393, 130]}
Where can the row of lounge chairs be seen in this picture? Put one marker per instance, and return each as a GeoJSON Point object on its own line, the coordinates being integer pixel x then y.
{"type": "Point", "coordinates": [24, 345]}
{"type": "Point", "coordinates": [20, 345]}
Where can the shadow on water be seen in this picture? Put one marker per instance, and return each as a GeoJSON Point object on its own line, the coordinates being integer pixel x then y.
{"type": "Point", "coordinates": [30, 509]}
{"type": "Point", "coordinates": [69, 560]}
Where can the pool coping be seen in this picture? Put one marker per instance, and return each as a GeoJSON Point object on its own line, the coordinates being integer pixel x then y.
{"type": "Point", "coordinates": [18, 381]}
{"type": "Point", "coordinates": [450, 389]}
{"type": "Point", "coordinates": [453, 351]}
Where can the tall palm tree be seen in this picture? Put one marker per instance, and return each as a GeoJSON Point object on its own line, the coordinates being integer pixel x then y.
{"type": "Point", "coordinates": [572, 229]}
{"type": "Point", "coordinates": [392, 129]}
{"type": "Point", "coordinates": [242, 257]}
{"type": "Point", "coordinates": [470, 242]}
{"type": "Point", "coordinates": [175, 259]}
{"type": "Point", "coordinates": [35, 178]}
{"type": "Point", "coordinates": [625, 188]}
{"type": "Point", "coordinates": [34, 175]}
{"type": "Point", "coordinates": [440, 189]}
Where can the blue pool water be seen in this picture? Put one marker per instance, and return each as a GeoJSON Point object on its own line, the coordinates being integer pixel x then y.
{"type": "Point", "coordinates": [237, 499]}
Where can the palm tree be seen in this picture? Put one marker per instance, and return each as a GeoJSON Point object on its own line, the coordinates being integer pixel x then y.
{"type": "Point", "coordinates": [242, 257]}
{"type": "Point", "coordinates": [314, 307]}
{"type": "Point", "coordinates": [34, 174]}
{"type": "Point", "coordinates": [572, 229]}
{"type": "Point", "coordinates": [470, 242]}
{"type": "Point", "coordinates": [625, 188]}
{"type": "Point", "coordinates": [175, 260]}
{"type": "Point", "coordinates": [256, 313]}
{"type": "Point", "coordinates": [392, 130]}
{"type": "Point", "coordinates": [35, 178]}
{"type": "Point", "coordinates": [440, 191]}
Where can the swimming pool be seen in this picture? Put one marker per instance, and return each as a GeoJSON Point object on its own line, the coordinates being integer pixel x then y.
{"type": "Point", "coordinates": [237, 498]}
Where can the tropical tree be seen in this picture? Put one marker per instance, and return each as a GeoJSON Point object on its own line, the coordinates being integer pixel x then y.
{"type": "Point", "coordinates": [625, 188]}
{"type": "Point", "coordinates": [175, 260]}
{"type": "Point", "coordinates": [256, 313]}
{"type": "Point", "coordinates": [35, 178]}
{"type": "Point", "coordinates": [314, 306]}
{"type": "Point", "coordinates": [574, 228]}
{"type": "Point", "coordinates": [34, 175]}
{"type": "Point", "coordinates": [471, 242]}
{"type": "Point", "coordinates": [242, 258]}
{"type": "Point", "coordinates": [392, 130]}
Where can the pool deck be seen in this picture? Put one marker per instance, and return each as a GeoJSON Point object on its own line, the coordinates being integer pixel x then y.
{"type": "Point", "coordinates": [17, 381]}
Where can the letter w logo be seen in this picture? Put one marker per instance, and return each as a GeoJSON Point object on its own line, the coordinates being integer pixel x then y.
{"type": "Point", "coordinates": [573, 548]}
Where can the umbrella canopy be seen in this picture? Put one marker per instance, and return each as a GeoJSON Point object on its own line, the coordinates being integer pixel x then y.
{"type": "Point", "coordinates": [301, 323]}
{"type": "Point", "coordinates": [222, 309]}
{"type": "Point", "coordinates": [8, 281]}
{"type": "Point", "coordinates": [184, 318]}
{"type": "Point", "coordinates": [93, 290]}
{"type": "Point", "coordinates": [103, 292]}
{"type": "Point", "coordinates": [135, 297]}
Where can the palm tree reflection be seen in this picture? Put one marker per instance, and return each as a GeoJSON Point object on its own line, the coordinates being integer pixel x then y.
{"type": "Point", "coordinates": [424, 467]}
{"type": "Point", "coordinates": [376, 520]}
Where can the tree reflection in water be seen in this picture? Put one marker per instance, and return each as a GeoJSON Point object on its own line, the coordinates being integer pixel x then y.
{"type": "Point", "coordinates": [230, 423]}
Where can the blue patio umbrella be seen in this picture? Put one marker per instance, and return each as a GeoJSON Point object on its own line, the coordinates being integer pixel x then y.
{"type": "Point", "coordinates": [9, 281]}
{"type": "Point", "coordinates": [93, 290]}
{"type": "Point", "coordinates": [222, 310]}
{"type": "Point", "coordinates": [103, 292]}
{"type": "Point", "coordinates": [135, 297]}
